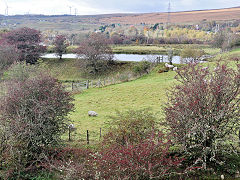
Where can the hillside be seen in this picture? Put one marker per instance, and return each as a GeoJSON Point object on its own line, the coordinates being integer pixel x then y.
{"type": "Point", "coordinates": [177, 17]}
{"type": "Point", "coordinates": [84, 24]}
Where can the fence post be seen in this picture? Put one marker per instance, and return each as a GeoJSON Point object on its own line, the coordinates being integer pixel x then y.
{"type": "Point", "coordinates": [100, 132]}
{"type": "Point", "coordinates": [104, 82]}
{"type": "Point", "coordinates": [87, 84]}
{"type": "Point", "coordinates": [69, 134]}
{"type": "Point", "coordinates": [72, 86]}
{"type": "Point", "coordinates": [99, 83]}
{"type": "Point", "coordinates": [87, 137]}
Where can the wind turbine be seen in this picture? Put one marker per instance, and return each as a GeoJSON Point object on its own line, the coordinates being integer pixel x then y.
{"type": "Point", "coordinates": [7, 7]}
{"type": "Point", "coordinates": [75, 11]}
{"type": "Point", "coordinates": [70, 8]}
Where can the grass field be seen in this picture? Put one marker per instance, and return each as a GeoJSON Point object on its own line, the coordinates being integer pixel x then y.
{"type": "Point", "coordinates": [161, 49]}
{"type": "Point", "coordinates": [146, 92]}
{"type": "Point", "coordinates": [69, 69]}
{"type": "Point", "coordinates": [228, 56]}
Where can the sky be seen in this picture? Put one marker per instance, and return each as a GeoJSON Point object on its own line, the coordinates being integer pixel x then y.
{"type": "Point", "coordinates": [90, 7]}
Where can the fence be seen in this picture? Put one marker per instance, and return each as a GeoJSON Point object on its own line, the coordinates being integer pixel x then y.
{"type": "Point", "coordinates": [81, 85]}
{"type": "Point", "coordinates": [85, 137]}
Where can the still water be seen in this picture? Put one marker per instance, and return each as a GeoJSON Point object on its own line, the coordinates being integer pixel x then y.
{"type": "Point", "coordinates": [125, 57]}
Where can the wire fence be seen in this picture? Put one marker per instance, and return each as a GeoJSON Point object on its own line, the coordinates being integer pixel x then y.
{"type": "Point", "coordinates": [82, 85]}
{"type": "Point", "coordinates": [88, 136]}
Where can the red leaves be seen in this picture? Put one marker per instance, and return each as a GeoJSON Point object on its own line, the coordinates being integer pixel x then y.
{"type": "Point", "coordinates": [204, 109]}
{"type": "Point", "coordinates": [145, 160]}
{"type": "Point", "coordinates": [27, 42]}
{"type": "Point", "coordinates": [148, 158]}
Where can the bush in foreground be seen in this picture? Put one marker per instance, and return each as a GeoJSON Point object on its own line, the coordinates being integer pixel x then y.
{"type": "Point", "coordinates": [34, 113]}
{"type": "Point", "coordinates": [203, 113]}
{"type": "Point", "coordinates": [147, 159]}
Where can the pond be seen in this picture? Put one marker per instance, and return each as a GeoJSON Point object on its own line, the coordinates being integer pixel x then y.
{"type": "Point", "coordinates": [125, 57]}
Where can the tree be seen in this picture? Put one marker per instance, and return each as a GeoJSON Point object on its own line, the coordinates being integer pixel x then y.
{"type": "Point", "coordinates": [60, 45]}
{"type": "Point", "coordinates": [34, 112]}
{"type": "Point", "coordinates": [96, 53]}
{"type": "Point", "coordinates": [203, 111]}
{"type": "Point", "coordinates": [27, 42]}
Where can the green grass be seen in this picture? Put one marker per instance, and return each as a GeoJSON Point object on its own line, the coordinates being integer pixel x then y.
{"type": "Point", "coordinates": [161, 48]}
{"type": "Point", "coordinates": [146, 92]}
{"type": "Point", "coordinates": [236, 50]}
{"type": "Point", "coordinates": [65, 69]}
{"type": "Point", "coordinates": [228, 56]}
{"type": "Point", "coordinates": [69, 69]}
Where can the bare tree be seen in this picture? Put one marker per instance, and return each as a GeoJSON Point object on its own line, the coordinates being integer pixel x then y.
{"type": "Point", "coordinates": [96, 53]}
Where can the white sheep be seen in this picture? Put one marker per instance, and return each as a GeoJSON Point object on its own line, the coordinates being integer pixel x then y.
{"type": "Point", "coordinates": [92, 113]}
{"type": "Point", "coordinates": [175, 69]}
{"type": "Point", "coordinates": [169, 66]}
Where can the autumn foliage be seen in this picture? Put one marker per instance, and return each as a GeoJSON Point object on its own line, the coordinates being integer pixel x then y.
{"type": "Point", "coordinates": [203, 112]}
{"type": "Point", "coordinates": [27, 43]}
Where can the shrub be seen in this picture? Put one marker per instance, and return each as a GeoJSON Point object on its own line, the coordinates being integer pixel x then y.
{"type": "Point", "coordinates": [147, 159]}
{"type": "Point", "coordinates": [34, 112]}
{"type": "Point", "coordinates": [203, 112]}
{"type": "Point", "coordinates": [191, 55]}
{"type": "Point", "coordinates": [142, 67]}
{"type": "Point", "coordinates": [131, 126]}
{"type": "Point", "coordinates": [20, 71]}
{"type": "Point", "coordinates": [8, 55]}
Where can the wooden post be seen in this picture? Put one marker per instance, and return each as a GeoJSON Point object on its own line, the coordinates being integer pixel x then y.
{"type": "Point", "coordinates": [87, 84]}
{"type": "Point", "coordinates": [72, 86]}
{"type": "Point", "coordinates": [104, 82]}
{"type": "Point", "coordinates": [69, 134]}
{"type": "Point", "coordinates": [87, 137]}
{"type": "Point", "coordinates": [99, 83]}
{"type": "Point", "coordinates": [100, 132]}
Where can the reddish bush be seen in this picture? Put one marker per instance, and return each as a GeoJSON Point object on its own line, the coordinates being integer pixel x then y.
{"type": "Point", "coordinates": [145, 160]}
{"type": "Point", "coordinates": [34, 116]}
{"type": "Point", "coordinates": [203, 111]}
{"type": "Point", "coordinates": [27, 42]}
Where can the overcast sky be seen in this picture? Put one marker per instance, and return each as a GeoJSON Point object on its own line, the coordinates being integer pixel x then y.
{"type": "Point", "coordinates": [84, 7]}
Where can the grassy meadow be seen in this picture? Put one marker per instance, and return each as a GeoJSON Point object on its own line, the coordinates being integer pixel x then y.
{"type": "Point", "coordinates": [161, 49]}
{"type": "Point", "coordinates": [148, 91]}
{"type": "Point", "coordinates": [228, 56]}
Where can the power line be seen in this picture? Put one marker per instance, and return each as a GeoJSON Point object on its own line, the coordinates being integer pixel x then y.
{"type": "Point", "coordinates": [169, 13]}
